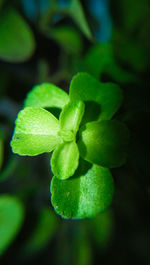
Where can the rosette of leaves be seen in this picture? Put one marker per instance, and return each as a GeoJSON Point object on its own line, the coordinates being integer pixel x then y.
{"type": "Point", "coordinates": [85, 141]}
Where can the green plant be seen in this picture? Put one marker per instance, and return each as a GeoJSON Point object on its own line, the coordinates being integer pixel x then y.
{"type": "Point", "coordinates": [84, 139]}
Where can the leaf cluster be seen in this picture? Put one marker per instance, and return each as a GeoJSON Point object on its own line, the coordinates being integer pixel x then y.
{"type": "Point", "coordinates": [84, 145]}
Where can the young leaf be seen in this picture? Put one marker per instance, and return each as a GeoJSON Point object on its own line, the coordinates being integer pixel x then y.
{"type": "Point", "coordinates": [46, 95]}
{"type": "Point", "coordinates": [35, 132]}
{"type": "Point", "coordinates": [11, 218]}
{"type": "Point", "coordinates": [76, 12]}
{"type": "Point", "coordinates": [17, 42]}
{"type": "Point", "coordinates": [104, 143]}
{"type": "Point", "coordinates": [71, 116]}
{"type": "Point", "coordinates": [65, 159]}
{"type": "Point", "coordinates": [87, 193]}
{"type": "Point", "coordinates": [86, 88]}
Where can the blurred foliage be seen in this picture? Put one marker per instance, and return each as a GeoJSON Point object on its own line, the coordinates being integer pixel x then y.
{"type": "Point", "coordinates": [48, 41]}
{"type": "Point", "coordinates": [10, 209]}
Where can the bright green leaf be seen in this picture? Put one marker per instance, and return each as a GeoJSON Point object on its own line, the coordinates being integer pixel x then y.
{"type": "Point", "coordinates": [87, 193]}
{"type": "Point", "coordinates": [107, 96]}
{"type": "Point", "coordinates": [65, 160]}
{"type": "Point", "coordinates": [43, 232]}
{"type": "Point", "coordinates": [104, 143]}
{"type": "Point", "coordinates": [68, 38]}
{"type": "Point", "coordinates": [11, 218]}
{"type": "Point", "coordinates": [17, 42]}
{"type": "Point", "coordinates": [71, 116]}
{"type": "Point", "coordinates": [76, 12]}
{"type": "Point", "coordinates": [46, 95]}
{"type": "Point", "coordinates": [35, 132]}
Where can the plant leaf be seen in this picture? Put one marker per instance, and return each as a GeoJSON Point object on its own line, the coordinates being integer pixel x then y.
{"type": "Point", "coordinates": [68, 38]}
{"type": "Point", "coordinates": [108, 96]}
{"type": "Point", "coordinates": [71, 116]}
{"type": "Point", "coordinates": [46, 95]}
{"type": "Point", "coordinates": [17, 42]}
{"type": "Point", "coordinates": [76, 12]}
{"type": "Point", "coordinates": [87, 193]}
{"type": "Point", "coordinates": [43, 232]}
{"type": "Point", "coordinates": [104, 143]}
{"type": "Point", "coordinates": [35, 132]}
{"type": "Point", "coordinates": [11, 218]}
{"type": "Point", "coordinates": [65, 159]}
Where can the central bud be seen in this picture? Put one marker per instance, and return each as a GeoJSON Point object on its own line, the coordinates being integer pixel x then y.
{"type": "Point", "coordinates": [67, 135]}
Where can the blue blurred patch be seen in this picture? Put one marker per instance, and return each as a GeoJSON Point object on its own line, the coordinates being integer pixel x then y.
{"type": "Point", "coordinates": [100, 10]}
{"type": "Point", "coordinates": [32, 8]}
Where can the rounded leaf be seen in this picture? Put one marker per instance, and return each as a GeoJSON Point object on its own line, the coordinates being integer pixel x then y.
{"type": "Point", "coordinates": [86, 88]}
{"type": "Point", "coordinates": [17, 42]}
{"type": "Point", "coordinates": [35, 132]}
{"type": "Point", "coordinates": [104, 143]}
{"type": "Point", "coordinates": [46, 95]}
{"type": "Point", "coordinates": [11, 218]}
{"type": "Point", "coordinates": [87, 193]}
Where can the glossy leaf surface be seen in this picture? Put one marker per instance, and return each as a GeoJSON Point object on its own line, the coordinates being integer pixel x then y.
{"type": "Point", "coordinates": [87, 193]}
{"type": "Point", "coordinates": [11, 218]}
{"type": "Point", "coordinates": [65, 159]}
{"type": "Point", "coordinates": [104, 143]}
{"type": "Point", "coordinates": [86, 88]}
{"type": "Point", "coordinates": [46, 95]}
{"type": "Point", "coordinates": [35, 132]}
{"type": "Point", "coordinates": [17, 42]}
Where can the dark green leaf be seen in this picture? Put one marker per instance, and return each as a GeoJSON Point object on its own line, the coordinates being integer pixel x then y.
{"type": "Point", "coordinates": [46, 95]}
{"type": "Point", "coordinates": [35, 132]}
{"type": "Point", "coordinates": [42, 233]}
{"type": "Point", "coordinates": [17, 42]}
{"type": "Point", "coordinates": [86, 194]}
{"type": "Point", "coordinates": [11, 218]}
{"type": "Point", "coordinates": [68, 38]}
{"type": "Point", "coordinates": [65, 160]}
{"type": "Point", "coordinates": [86, 88]}
{"type": "Point", "coordinates": [104, 143]}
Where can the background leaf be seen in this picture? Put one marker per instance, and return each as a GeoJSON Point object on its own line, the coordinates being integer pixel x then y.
{"type": "Point", "coordinates": [76, 12]}
{"type": "Point", "coordinates": [11, 218]}
{"type": "Point", "coordinates": [35, 132]}
{"type": "Point", "coordinates": [86, 194]}
{"type": "Point", "coordinates": [68, 38]}
{"type": "Point", "coordinates": [104, 143]}
{"type": "Point", "coordinates": [17, 42]}
{"type": "Point", "coordinates": [43, 232]}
